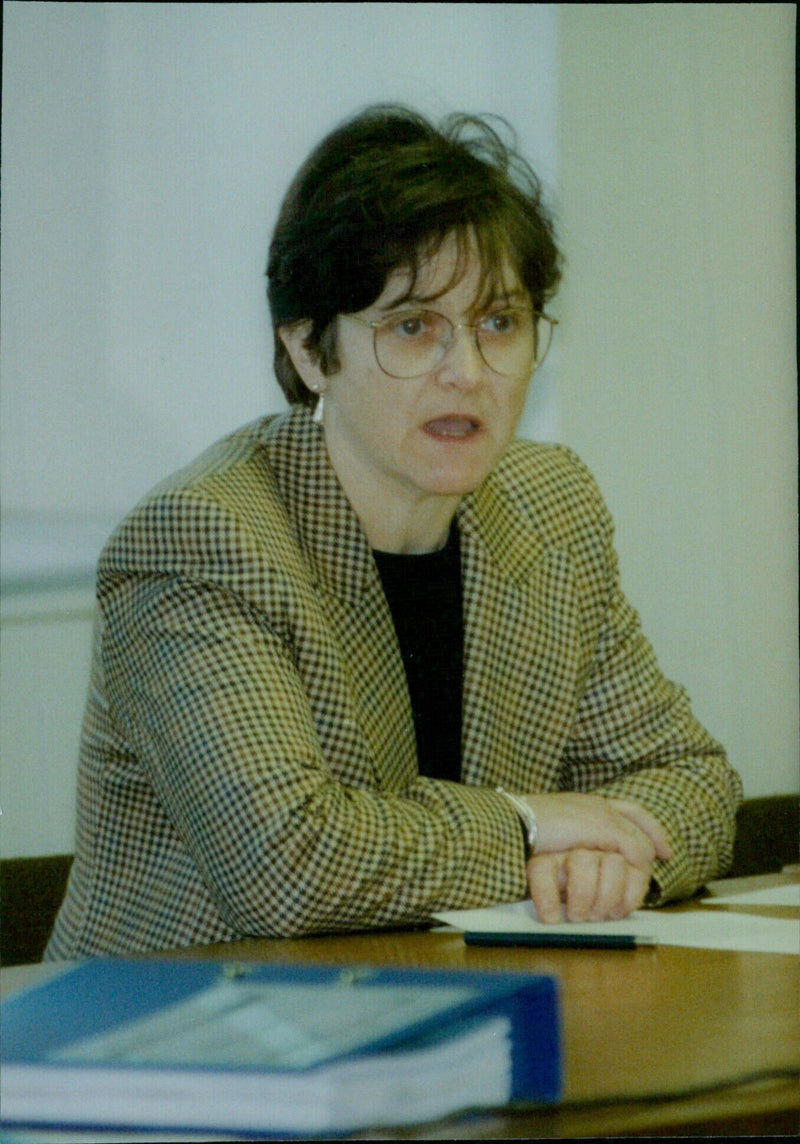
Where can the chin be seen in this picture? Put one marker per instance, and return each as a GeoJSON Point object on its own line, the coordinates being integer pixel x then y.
{"type": "Point", "coordinates": [455, 484]}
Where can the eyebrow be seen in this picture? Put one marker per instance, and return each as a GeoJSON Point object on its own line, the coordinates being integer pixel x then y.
{"type": "Point", "coordinates": [414, 301]}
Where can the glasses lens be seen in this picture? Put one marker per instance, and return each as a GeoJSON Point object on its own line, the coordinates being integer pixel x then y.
{"type": "Point", "coordinates": [507, 341]}
{"type": "Point", "coordinates": [412, 343]}
{"type": "Point", "coordinates": [544, 336]}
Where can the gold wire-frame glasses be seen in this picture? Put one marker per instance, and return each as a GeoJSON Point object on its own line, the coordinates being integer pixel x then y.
{"type": "Point", "coordinates": [512, 342]}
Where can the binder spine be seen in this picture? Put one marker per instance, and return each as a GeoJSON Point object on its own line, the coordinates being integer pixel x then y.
{"type": "Point", "coordinates": [537, 1065]}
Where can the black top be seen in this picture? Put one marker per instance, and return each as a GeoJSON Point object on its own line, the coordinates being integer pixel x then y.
{"type": "Point", "coordinates": [424, 595]}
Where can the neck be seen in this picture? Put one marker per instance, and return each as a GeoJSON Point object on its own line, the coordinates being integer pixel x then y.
{"type": "Point", "coordinates": [395, 519]}
{"type": "Point", "coordinates": [425, 530]}
{"type": "Point", "coordinates": [397, 515]}
{"type": "Point", "coordinates": [401, 524]}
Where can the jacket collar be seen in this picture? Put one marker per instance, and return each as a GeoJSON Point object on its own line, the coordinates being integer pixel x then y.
{"type": "Point", "coordinates": [327, 528]}
{"type": "Point", "coordinates": [331, 535]}
{"type": "Point", "coordinates": [491, 518]}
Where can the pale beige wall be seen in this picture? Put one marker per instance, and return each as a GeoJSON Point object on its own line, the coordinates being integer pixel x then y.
{"type": "Point", "coordinates": [677, 374]}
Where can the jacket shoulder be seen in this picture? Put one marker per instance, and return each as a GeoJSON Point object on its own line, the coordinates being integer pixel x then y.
{"type": "Point", "coordinates": [231, 452]}
{"type": "Point", "coordinates": [553, 489]}
{"type": "Point", "coordinates": [218, 519]}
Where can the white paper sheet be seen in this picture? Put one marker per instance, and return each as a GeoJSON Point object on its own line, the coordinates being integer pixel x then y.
{"type": "Point", "coordinates": [786, 895]}
{"type": "Point", "coordinates": [698, 929]}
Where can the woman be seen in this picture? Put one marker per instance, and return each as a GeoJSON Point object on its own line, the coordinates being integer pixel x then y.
{"type": "Point", "coordinates": [369, 659]}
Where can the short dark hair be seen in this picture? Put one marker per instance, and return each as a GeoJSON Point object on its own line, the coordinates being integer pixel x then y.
{"type": "Point", "coordinates": [381, 193]}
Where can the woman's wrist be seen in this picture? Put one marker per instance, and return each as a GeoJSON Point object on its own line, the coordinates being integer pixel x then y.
{"type": "Point", "coordinates": [527, 818]}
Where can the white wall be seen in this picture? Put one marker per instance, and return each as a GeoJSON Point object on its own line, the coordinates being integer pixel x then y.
{"type": "Point", "coordinates": [145, 150]}
{"type": "Point", "coordinates": [45, 651]}
{"type": "Point", "coordinates": [678, 380]}
{"type": "Point", "coordinates": [145, 147]}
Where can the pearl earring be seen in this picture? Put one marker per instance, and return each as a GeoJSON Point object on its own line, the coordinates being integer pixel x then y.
{"type": "Point", "coordinates": [318, 412]}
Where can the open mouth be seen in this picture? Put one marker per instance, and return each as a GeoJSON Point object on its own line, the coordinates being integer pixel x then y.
{"type": "Point", "coordinates": [453, 427]}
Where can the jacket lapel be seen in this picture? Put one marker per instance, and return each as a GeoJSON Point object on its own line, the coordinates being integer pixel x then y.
{"type": "Point", "coordinates": [345, 573]}
{"type": "Point", "coordinates": [520, 622]}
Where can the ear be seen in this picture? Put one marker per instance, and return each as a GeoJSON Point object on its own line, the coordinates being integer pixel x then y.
{"type": "Point", "coordinates": [294, 339]}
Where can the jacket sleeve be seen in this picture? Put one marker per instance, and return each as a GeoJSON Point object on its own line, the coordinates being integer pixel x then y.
{"type": "Point", "coordinates": [210, 701]}
{"type": "Point", "coordinates": [635, 737]}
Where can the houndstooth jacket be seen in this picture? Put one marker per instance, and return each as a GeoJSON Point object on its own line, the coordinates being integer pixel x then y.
{"type": "Point", "coordinates": [248, 759]}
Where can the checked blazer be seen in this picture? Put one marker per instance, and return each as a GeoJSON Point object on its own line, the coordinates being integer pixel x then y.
{"type": "Point", "coordinates": [248, 760]}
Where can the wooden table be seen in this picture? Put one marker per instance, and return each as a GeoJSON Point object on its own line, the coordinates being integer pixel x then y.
{"type": "Point", "coordinates": [663, 1041]}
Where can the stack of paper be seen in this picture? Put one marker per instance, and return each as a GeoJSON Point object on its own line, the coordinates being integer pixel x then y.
{"type": "Point", "coordinates": [696, 928]}
{"type": "Point", "coordinates": [787, 894]}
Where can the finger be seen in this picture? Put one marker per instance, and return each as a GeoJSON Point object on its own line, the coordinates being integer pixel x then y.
{"type": "Point", "coordinates": [544, 883]}
{"type": "Point", "coordinates": [612, 884]}
{"type": "Point", "coordinates": [646, 822]}
{"type": "Point", "coordinates": [633, 843]}
{"type": "Point", "coordinates": [582, 869]}
{"type": "Point", "coordinates": [637, 885]}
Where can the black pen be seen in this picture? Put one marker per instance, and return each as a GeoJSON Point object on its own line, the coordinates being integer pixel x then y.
{"type": "Point", "coordinates": [561, 940]}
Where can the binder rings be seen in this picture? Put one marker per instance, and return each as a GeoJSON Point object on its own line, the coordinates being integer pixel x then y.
{"type": "Point", "coordinates": [281, 1050]}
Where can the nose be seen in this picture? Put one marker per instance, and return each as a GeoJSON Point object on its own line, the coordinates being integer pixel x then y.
{"type": "Point", "coordinates": [461, 365]}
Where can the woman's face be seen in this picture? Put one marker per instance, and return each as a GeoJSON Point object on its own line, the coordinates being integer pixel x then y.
{"type": "Point", "coordinates": [402, 443]}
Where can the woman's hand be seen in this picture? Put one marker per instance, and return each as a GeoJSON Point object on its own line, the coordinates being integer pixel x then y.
{"type": "Point", "coordinates": [568, 821]}
{"type": "Point", "coordinates": [585, 885]}
{"type": "Point", "coordinates": [594, 856]}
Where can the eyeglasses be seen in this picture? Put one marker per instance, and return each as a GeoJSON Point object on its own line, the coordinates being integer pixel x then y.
{"type": "Point", "coordinates": [512, 342]}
